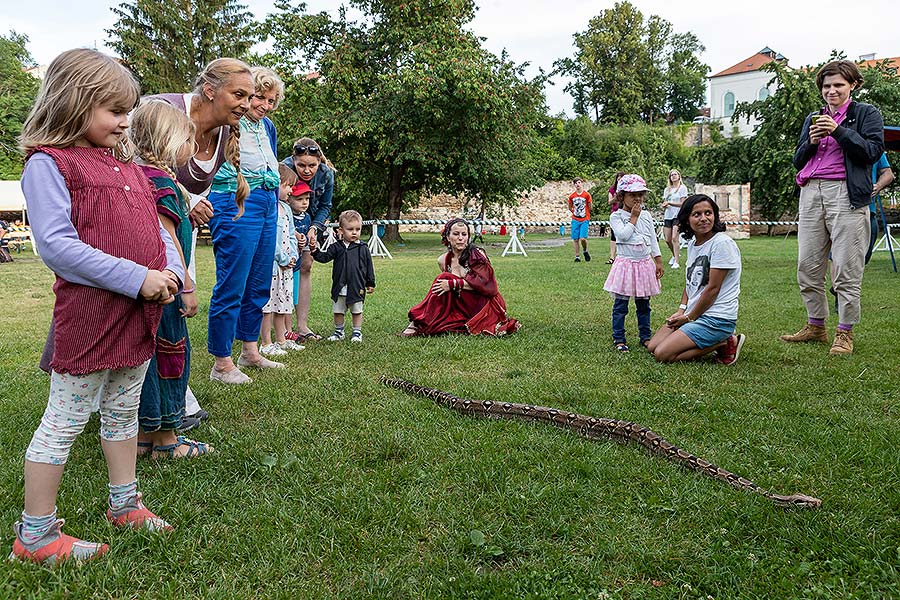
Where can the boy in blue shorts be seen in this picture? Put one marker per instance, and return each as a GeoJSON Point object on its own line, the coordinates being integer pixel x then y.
{"type": "Point", "coordinates": [579, 203]}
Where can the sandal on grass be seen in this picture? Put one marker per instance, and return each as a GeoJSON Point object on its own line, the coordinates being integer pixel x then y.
{"type": "Point", "coordinates": [410, 331]}
{"type": "Point", "coordinates": [144, 448]}
{"type": "Point", "coordinates": [610, 261]}
{"type": "Point", "coordinates": [194, 449]}
{"type": "Point", "coordinates": [622, 347]}
{"type": "Point", "coordinates": [310, 335]}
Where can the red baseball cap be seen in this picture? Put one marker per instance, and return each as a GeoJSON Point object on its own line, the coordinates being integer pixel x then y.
{"type": "Point", "coordinates": [300, 188]}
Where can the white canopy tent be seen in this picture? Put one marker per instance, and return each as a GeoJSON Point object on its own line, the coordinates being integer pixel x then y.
{"type": "Point", "coordinates": [11, 197]}
{"type": "Point", "coordinates": [13, 200]}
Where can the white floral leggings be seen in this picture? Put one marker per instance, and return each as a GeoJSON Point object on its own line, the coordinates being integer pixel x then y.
{"type": "Point", "coordinates": [69, 410]}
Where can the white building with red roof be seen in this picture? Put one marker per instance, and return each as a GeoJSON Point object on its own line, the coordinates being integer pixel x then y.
{"type": "Point", "coordinates": [743, 82]}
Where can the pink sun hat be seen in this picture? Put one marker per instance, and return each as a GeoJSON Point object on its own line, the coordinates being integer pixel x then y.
{"type": "Point", "coordinates": [632, 183]}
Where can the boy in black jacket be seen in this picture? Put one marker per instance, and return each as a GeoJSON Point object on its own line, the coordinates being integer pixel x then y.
{"type": "Point", "coordinates": [352, 275]}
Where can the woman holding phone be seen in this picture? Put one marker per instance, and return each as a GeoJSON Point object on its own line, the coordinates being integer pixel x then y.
{"type": "Point", "coordinates": [838, 145]}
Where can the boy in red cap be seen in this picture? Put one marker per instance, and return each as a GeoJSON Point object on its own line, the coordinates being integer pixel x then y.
{"type": "Point", "coordinates": [299, 201]}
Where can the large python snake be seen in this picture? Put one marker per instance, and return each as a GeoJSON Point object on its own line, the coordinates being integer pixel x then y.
{"type": "Point", "coordinates": [597, 428]}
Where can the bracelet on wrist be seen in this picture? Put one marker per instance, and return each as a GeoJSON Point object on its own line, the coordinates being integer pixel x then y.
{"type": "Point", "coordinates": [682, 306]}
{"type": "Point", "coordinates": [190, 291]}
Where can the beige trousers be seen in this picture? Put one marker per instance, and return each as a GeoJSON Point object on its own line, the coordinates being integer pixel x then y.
{"type": "Point", "coordinates": [829, 224]}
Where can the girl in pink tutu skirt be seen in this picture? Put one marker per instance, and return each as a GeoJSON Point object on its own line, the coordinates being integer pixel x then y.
{"type": "Point", "coordinates": [638, 266]}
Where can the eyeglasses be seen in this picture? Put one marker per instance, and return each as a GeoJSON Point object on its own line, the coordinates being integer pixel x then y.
{"type": "Point", "coordinates": [301, 149]}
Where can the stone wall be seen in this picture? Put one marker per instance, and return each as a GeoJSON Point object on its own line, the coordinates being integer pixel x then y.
{"type": "Point", "coordinates": [548, 203]}
{"type": "Point", "coordinates": [734, 205]}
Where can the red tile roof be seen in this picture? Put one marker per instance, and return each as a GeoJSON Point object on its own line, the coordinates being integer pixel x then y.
{"type": "Point", "coordinates": [746, 66]}
{"type": "Point", "coordinates": [893, 63]}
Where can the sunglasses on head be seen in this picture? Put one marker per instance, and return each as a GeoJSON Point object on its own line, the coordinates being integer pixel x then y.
{"type": "Point", "coordinates": [301, 149]}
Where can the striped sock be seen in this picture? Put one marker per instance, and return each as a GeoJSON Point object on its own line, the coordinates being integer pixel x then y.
{"type": "Point", "coordinates": [34, 531]}
{"type": "Point", "coordinates": [816, 322]}
{"type": "Point", "coordinates": [844, 327]}
{"type": "Point", "coordinates": [122, 496]}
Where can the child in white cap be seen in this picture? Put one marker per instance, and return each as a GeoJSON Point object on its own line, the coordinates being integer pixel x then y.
{"type": "Point", "coordinates": [638, 264]}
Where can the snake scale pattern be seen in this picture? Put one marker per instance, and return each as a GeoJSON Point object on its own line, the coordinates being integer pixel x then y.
{"type": "Point", "coordinates": [599, 428]}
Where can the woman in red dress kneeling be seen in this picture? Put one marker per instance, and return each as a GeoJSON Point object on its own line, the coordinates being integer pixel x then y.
{"type": "Point", "coordinates": [464, 296]}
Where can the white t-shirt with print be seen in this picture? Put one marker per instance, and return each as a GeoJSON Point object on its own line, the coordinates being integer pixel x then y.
{"type": "Point", "coordinates": [719, 252]}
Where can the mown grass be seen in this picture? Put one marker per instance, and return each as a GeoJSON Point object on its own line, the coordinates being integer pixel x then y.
{"type": "Point", "coordinates": [329, 485]}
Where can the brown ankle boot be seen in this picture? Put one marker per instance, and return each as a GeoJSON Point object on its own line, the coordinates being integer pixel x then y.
{"type": "Point", "coordinates": [809, 333]}
{"type": "Point", "coordinates": [843, 343]}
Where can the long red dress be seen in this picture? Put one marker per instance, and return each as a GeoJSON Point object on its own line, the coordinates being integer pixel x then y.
{"type": "Point", "coordinates": [476, 311]}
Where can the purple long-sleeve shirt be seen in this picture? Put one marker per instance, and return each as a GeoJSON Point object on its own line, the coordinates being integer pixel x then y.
{"type": "Point", "coordinates": [63, 251]}
{"type": "Point", "coordinates": [828, 161]}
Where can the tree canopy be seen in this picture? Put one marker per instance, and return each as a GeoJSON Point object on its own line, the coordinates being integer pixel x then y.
{"type": "Point", "coordinates": [627, 68]}
{"type": "Point", "coordinates": [165, 44]}
{"type": "Point", "coordinates": [18, 90]}
{"type": "Point", "coordinates": [408, 100]}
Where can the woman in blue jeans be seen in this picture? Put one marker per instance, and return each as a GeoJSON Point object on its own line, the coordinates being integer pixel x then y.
{"type": "Point", "coordinates": [243, 236]}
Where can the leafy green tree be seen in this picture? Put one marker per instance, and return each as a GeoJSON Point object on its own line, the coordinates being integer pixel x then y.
{"type": "Point", "coordinates": [686, 76]}
{"type": "Point", "coordinates": [627, 68]}
{"type": "Point", "coordinates": [409, 101]}
{"type": "Point", "coordinates": [18, 89]}
{"type": "Point", "coordinates": [597, 152]}
{"type": "Point", "coordinates": [165, 44]}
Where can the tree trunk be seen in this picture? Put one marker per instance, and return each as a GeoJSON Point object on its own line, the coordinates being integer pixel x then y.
{"type": "Point", "coordinates": [395, 201]}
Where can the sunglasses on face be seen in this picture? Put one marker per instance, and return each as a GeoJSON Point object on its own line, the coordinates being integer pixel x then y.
{"type": "Point", "coordinates": [301, 149]}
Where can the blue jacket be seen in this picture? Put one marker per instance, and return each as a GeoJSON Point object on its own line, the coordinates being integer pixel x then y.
{"type": "Point", "coordinates": [861, 137]}
{"type": "Point", "coordinates": [320, 200]}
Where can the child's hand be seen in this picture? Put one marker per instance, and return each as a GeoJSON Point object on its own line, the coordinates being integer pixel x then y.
{"type": "Point", "coordinates": [665, 205]}
{"type": "Point", "coordinates": [660, 271]}
{"type": "Point", "coordinates": [370, 290]}
{"type": "Point", "coordinates": [312, 241]}
{"type": "Point", "coordinates": [173, 282]}
{"type": "Point", "coordinates": [190, 304]}
{"type": "Point", "coordinates": [301, 239]}
{"type": "Point", "coordinates": [291, 264]}
{"type": "Point", "coordinates": [156, 287]}
{"type": "Point", "coordinates": [636, 209]}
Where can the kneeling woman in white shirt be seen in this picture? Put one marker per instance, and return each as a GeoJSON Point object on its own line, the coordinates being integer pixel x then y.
{"type": "Point", "coordinates": [705, 321]}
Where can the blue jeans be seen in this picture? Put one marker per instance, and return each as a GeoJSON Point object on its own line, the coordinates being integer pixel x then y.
{"type": "Point", "coordinates": [244, 251]}
{"type": "Point", "coordinates": [620, 310]}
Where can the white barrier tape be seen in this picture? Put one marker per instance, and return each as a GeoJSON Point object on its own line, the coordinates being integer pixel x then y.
{"type": "Point", "coordinates": [550, 223]}
{"type": "Point", "coordinates": [541, 223]}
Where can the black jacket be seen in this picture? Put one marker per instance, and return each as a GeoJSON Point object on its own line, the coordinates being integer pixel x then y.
{"type": "Point", "coordinates": [861, 137]}
{"type": "Point", "coordinates": [352, 267]}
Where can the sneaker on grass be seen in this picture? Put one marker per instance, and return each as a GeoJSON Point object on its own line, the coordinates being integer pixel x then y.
{"type": "Point", "coordinates": [54, 547]}
{"type": "Point", "coordinates": [272, 349]}
{"type": "Point", "coordinates": [728, 354]}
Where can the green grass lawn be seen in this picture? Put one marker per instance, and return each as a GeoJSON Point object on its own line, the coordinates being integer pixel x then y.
{"type": "Point", "coordinates": [328, 485]}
